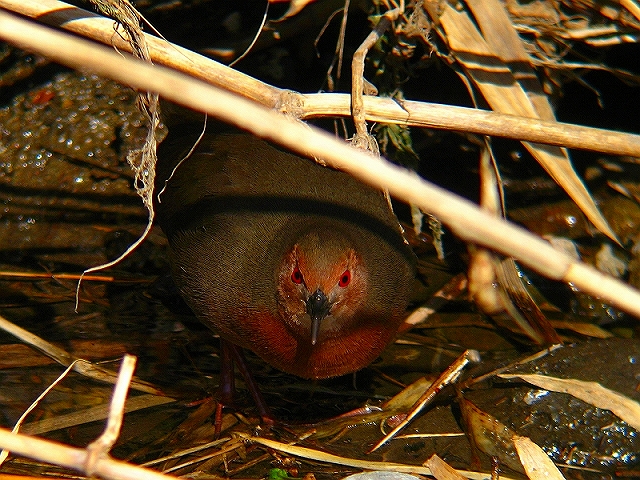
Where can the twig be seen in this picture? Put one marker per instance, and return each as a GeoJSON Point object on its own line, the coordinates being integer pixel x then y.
{"type": "Point", "coordinates": [447, 377]}
{"type": "Point", "coordinates": [382, 110]}
{"type": "Point", "coordinates": [4, 453]}
{"type": "Point", "coordinates": [320, 456]}
{"type": "Point", "coordinates": [542, 353]}
{"type": "Point", "coordinates": [357, 75]}
{"type": "Point", "coordinates": [94, 460]}
{"type": "Point", "coordinates": [100, 447]}
{"type": "Point", "coordinates": [337, 57]}
{"type": "Point", "coordinates": [69, 276]}
{"type": "Point", "coordinates": [265, 16]}
{"type": "Point", "coordinates": [81, 366]}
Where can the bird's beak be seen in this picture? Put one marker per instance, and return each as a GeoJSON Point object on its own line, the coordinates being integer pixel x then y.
{"type": "Point", "coordinates": [318, 307]}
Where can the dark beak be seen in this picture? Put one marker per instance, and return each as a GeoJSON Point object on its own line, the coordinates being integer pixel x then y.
{"type": "Point", "coordinates": [318, 307]}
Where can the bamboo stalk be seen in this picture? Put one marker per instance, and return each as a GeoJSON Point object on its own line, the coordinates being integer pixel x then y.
{"type": "Point", "coordinates": [462, 216]}
{"type": "Point", "coordinates": [305, 106]}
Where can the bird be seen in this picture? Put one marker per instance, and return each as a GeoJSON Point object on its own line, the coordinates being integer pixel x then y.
{"type": "Point", "coordinates": [300, 263]}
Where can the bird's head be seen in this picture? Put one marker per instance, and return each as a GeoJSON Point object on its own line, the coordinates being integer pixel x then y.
{"type": "Point", "coordinates": [321, 285]}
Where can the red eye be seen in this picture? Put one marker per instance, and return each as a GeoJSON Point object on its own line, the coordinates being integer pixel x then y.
{"type": "Point", "coordinates": [345, 279]}
{"type": "Point", "coordinates": [296, 276]}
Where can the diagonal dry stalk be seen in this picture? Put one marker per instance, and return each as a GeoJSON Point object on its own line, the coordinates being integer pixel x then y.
{"type": "Point", "coordinates": [93, 460]}
{"type": "Point", "coordinates": [270, 134]}
{"type": "Point", "coordinates": [79, 365]}
{"type": "Point", "coordinates": [463, 217]}
{"type": "Point", "coordinates": [304, 106]}
{"type": "Point", "coordinates": [486, 54]}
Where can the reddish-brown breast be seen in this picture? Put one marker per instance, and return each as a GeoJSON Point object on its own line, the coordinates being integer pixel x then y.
{"type": "Point", "coordinates": [299, 263]}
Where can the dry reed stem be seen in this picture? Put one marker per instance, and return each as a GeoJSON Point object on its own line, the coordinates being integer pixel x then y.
{"type": "Point", "coordinates": [320, 456]}
{"type": "Point", "coordinates": [100, 447]}
{"type": "Point", "coordinates": [465, 219]}
{"type": "Point", "coordinates": [16, 428]}
{"type": "Point", "coordinates": [471, 120]}
{"type": "Point", "coordinates": [94, 460]}
{"type": "Point", "coordinates": [110, 469]}
{"type": "Point", "coordinates": [91, 414]}
{"type": "Point", "coordinates": [304, 106]}
{"type": "Point", "coordinates": [33, 276]}
{"type": "Point", "coordinates": [81, 366]}
{"type": "Point", "coordinates": [449, 376]}
{"type": "Point", "coordinates": [101, 29]}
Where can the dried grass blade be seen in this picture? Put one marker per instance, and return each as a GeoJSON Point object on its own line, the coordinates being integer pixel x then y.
{"type": "Point", "coordinates": [92, 414]}
{"type": "Point", "coordinates": [536, 463]}
{"type": "Point", "coordinates": [83, 367]}
{"type": "Point", "coordinates": [481, 55]}
{"type": "Point", "coordinates": [590, 392]}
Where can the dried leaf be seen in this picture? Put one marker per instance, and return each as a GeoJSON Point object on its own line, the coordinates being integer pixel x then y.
{"type": "Point", "coordinates": [490, 435]}
{"type": "Point", "coordinates": [590, 392]}
{"type": "Point", "coordinates": [583, 328]}
{"type": "Point", "coordinates": [537, 464]}
{"type": "Point", "coordinates": [442, 470]}
{"type": "Point", "coordinates": [295, 7]}
{"type": "Point", "coordinates": [487, 57]}
{"type": "Point", "coordinates": [92, 414]}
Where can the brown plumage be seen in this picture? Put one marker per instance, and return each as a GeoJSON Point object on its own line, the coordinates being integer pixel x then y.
{"type": "Point", "coordinates": [299, 263]}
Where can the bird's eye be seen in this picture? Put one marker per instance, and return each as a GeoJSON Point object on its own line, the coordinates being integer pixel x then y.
{"type": "Point", "coordinates": [345, 278]}
{"type": "Point", "coordinates": [296, 276]}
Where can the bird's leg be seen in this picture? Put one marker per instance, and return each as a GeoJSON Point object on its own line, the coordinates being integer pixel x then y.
{"type": "Point", "coordinates": [238, 358]}
{"type": "Point", "coordinates": [227, 375]}
{"type": "Point", "coordinates": [227, 383]}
